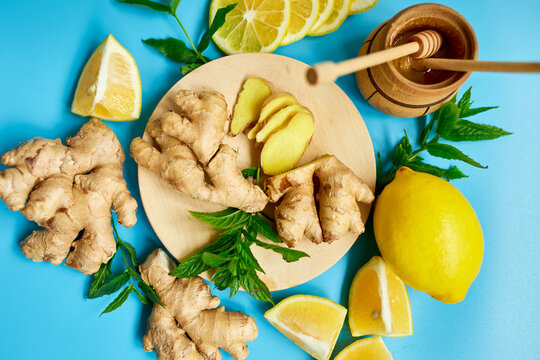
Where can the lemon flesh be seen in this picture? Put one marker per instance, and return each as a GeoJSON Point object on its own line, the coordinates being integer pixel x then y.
{"type": "Point", "coordinates": [339, 13]}
{"type": "Point", "coordinates": [372, 348]}
{"type": "Point", "coordinates": [359, 6]}
{"type": "Point", "coordinates": [311, 322]}
{"type": "Point", "coordinates": [109, 87]}
{"type": "Point", "coordinates": [325, 10]}
{"type": "Point", "coordinates": [378, 302]}
{"type": "Point", "coordinates": [429, 234]}
{"type": "Point", "coordinates": [304, 13]}
{"type": "Point", "coordinates": [252, 26]}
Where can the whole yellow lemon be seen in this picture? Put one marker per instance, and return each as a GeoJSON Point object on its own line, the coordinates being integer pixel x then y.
{"type": "Point", "coordinates": [429, 234]}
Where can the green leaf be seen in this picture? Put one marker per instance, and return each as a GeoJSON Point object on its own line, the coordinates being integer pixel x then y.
{"type": "Point", "coordinates": [230, 218]}
{"type": "Point", "coordinates": [141, 297]}
{"type": "Point", "coordinates": [235, 286]}
{"type": "Point", "coordinates": [119, 300]}
{"type": "Point", "coordinates": [471, 112]}
{"type": "Point", "coordinates": [465, 102]}
{"type": "Point", "coordinates": [245, 254]}
{"type": "Point", "coordinates": [406, 144]}
{"type": "Point", "coordinates": [250, 172]}
{"type": "Point", "coordinates": [427, 130]}
{"type": "Point", "coordinates": [100, 277]}
{"type": "Point", "coordinates": [133, 273]}
{"type": "Point", "coordinates": [190, 267]}
{"type": "Point", "coordinates": [149, 4]}
{"type": "Point", "coordinates": [465, 130]}
{"type": "Point", "coordinates": [265, 229]}
{"type": "Point", "coordinates": [110, 286]}
{"type": "Point", "coordinates": [222, 278]}
{"type": "Point", "coordinates": [256, 287]}
{"type": "Point", "coordinates": [449, 174]}
{"type": "Point", "coordinates": [149, 292]}
{"type": "Point", "coordinates": [219, 20]}
{"type": "Point", "coordinates": [174, 5]}
{"type": "Point", "coordinates": [289, 255]}
{"type": "Point", "coordinates": [400, 156]}
{"type": "Point", "coordinates": [447, 118]}
{"type": "Point", "coordinates": [213, 260]}
{"type": "Point", "coordinates": [174, 49]}
{"type": "Point", "coordinates": [131, 251]}
{"type": "Point", "coordinates": [449, 152]}
{"type": "Point", "coordinates": [186, 69]}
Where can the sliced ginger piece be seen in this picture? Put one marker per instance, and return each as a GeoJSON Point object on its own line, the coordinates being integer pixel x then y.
{"type": "Point", "coordinates": [248, 106]}
{"type": "Point", "coordinates": [378, 302]}
{"type": "Point", "coordinates": [285, 148]}
{"type": "Point", "coordinates": [271, 105]}
{"type": "Point", "coordinates": [276, 121]}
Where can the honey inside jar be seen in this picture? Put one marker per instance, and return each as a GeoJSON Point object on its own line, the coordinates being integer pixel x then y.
{"type": "Point", "coordinates": [450, 49]}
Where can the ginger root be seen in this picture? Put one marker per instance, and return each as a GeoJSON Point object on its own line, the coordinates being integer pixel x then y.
{"type": "Point", "coordinates": [190, 325]}
{"type": "Point", "coordinates": [338, 192]}
{"type": "Point", "coordinates": [66, 190]}
{"type": "Point", "coordinates": [187, 149]}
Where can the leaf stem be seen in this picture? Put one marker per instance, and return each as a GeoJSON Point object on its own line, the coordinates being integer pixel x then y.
{"type": "Point", "coordinates": [187, 35]}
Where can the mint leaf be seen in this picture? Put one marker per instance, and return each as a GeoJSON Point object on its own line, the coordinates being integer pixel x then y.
{"type": "Point", "coordinates": [235, 286]}
{"type": "Point", "coordinates": [190, 267]}
{"type": "Point", "coordinates": [265, 229]}
{"type": "Point", "coordinates": [100, 277]}
{"type": "Point", "coordinates": [219, 20]}
{"type": "Point", "coordinates": [256, 287]}
{"type": "Point", "coordinates": [174, 5]}
{"type": "Point", "coordinates": [110, 286]}
{"type": "Point", "coordinates": [465, 130]}
{"type": "Point", "coordinates": [230, 218]}
{"type": "Point", "coordinates": [149, 4]}
{"type": "Point", "coordinates": [119, 300]}
{"type": "Point", "coordinates": [289, 255]}
{"type": "Point", "coordinates": [149, 292]}
{"type": "Point", "coordinates": [141, 297]}
{"type": "Point", "coordinates": [471, 112]}
{"type": "Point", "coordinates": [446, 118]}
{"type": "Point", "coordinates": [449, 152]}
{"type": "Point", "coordinates": [427, 130]}
{"type": "Point", "coordinates": [465, 102]}
{"type": "Point", "coordinates": [222, 278]}
{"type": "Point", "coordinates": [449, 174]}
{"type": "Point", "coordinates": [174, 49]}
{"type": "Point", "coordinates": [250, 172]}
{"type": "Point", "coordinates": [131, 251]}
{"type": "Point", "coordinates": [213, 260]}
{"type": "Point", "coordinates": [186, 69]}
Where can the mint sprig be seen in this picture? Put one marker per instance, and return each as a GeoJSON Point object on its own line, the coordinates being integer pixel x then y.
{"type": "Point", "coordinates": [176, 49]}
{"type": "Point", "coordinates": [103, 284]}
{"type": "Point", "coordinates": [230, 255]}
{"type": "Point", "coordinates": [446, 123]}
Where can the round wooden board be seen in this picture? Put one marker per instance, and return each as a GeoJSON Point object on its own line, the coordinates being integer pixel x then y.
{"type": "Point", "coordinates": [339, 130]}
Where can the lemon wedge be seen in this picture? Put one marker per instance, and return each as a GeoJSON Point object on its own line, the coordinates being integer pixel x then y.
{"type": "Point", "coordinates": [378, 302]}
{"type": "Point", "coordinates": [371, 348]}
{"type": "Point", "coordinates": [311, 322]}
{"type": "Point", "coordinates": [338, 14]}
{"type": "Point", "coordinates": [325, 10]}
{"type": "Point", "coordinates": [359, 6]}
{"type": "Point", "coordinates": [252, 26]}
{"type": "Point", "coordinates": [109, 87]}
{"type": "Point", "coordinates": [304, 13]}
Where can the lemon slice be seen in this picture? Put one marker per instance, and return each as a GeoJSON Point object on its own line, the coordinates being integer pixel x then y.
{"type": "Point", "coordinates": [109, 87]}
{"type": "Point", "coordinates": [359, 6]}
{"type": "Point", "coordinates": [311, 322]}
{"type": "Point", "coordinates": [378, 302]}
{"type": "Point", "coordinates": [339, 13]}
{"type": "Point", "coordinates": [371, 348]}
{"type": "Point", "coordinates": [325, 10]}
{"type": "Point", "coordinates": [252, 26]}
{"type": "Point", "coordinates": [304, 13]}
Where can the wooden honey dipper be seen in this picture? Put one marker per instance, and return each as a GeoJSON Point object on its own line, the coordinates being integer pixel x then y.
{"type": "Point", "coordinates": [420, 45]}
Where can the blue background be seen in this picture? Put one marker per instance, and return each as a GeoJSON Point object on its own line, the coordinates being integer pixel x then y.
{"type": "Point", "coordinates": [43, 310]}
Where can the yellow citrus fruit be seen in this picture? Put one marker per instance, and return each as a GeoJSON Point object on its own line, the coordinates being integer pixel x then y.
{"type": "Point", "coordinates": [371, 348]}
{"type": "Point", "coordinates": [339, 13]}
{"type": "Point", "coordinates": [325, 10]}
{"type": "Point", "coordinates": [304, 13]}
{"type": "Point", "coordinates": [311, 322]}
{"type": "Point", "coordinates": [109, 87]}
{"type": "Point", "coordinates": [429, 234]}
{"type": "Point", "coordinates": [252, 26]}
{"type": "Point", "coordinates": [359, 6]}
{"type": "Point", "coordinates": [378, 302]}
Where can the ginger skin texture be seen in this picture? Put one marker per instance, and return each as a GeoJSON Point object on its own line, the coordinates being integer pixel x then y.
{"type": "Point", "coordinates": [66, 190]}
{"type": "Point", "coordinates": [338, 192]}
{"type": "Point", "coordinates": [190, 325]}
{"type": "Point", "coordinates": [187, 149]}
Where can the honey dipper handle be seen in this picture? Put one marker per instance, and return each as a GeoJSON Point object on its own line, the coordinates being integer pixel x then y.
{"type": "Point", "coordinates": [425, 43]}
{"type": "Point", "coordinates": [473, 65]}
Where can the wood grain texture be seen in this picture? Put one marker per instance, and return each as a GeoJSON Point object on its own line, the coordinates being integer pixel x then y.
{"type": "Point", "coordinates": [339, 130]}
